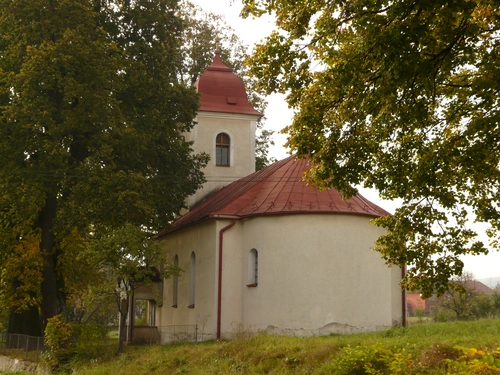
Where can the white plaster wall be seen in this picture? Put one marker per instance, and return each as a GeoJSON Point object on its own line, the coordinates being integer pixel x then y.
{"type": "Point", "coordinates": [317, 274]}
{"type": "Point", "coordinates": [202, 240]}
{"type": "Point", "coordinates": [232, 277]}
{"type": "Point", "coordinates": [241, 129]}
{"type": "Point", "coordinates": [397, 295]}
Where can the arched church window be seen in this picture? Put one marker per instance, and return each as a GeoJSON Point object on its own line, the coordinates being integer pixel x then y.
{"type": "Point", "coordinates": [192, 279]}
{"type": "Point", "coordinates": [222, 149]}
{"type": "Point", "coordinates": [253, 268]}
{"type": "Point", "coordinates": [175, 282]}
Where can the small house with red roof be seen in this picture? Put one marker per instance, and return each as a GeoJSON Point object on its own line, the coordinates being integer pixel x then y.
{"type": "Point", "coordinates": [263, 251]}
{"type": "Point", "coordinates": [416, 303]}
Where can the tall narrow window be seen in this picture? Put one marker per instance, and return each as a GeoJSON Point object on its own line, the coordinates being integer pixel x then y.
{"type": "Point", "coordinates": [192, 279]}
{"type": "Point", "coordinates": [222, 149]}
{"type": "Point", "coordinates": [152, 313]}
{"type": "Point", "coordinates": [253, 268]}
{"type": "Point", "coordinates": [175, 282]}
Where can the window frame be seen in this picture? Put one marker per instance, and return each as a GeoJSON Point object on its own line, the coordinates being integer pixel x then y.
{"type": "Point", "coordinates": [175, 283]}
{"type": "Point", "coordinates": [192, 280]}
{"type": "Point", "coordinates": [222, 143]}
{"type": "Point", "coordinates": [253, 268]}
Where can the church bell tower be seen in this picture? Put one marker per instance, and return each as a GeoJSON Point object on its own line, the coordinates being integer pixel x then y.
{"type": "Point", "coordinates": [225, 129]}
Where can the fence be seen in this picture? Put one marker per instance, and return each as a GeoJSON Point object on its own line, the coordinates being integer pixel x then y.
{"type": "Point", "coordinates": [21, 346]}
{"type": "Point", "coordinates": [30, 347]}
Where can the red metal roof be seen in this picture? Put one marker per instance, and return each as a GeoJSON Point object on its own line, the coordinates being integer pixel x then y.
{"type": "Point", "coordinates": [478, 286]}
{"type": "Point", "coordinates": [223, 91]}
{"type": "Point", "coordinates": [275, 190]}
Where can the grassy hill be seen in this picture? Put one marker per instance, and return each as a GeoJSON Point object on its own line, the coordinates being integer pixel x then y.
{"type": "Point", "coordinates": [431, 348]}
{"type": "Point", "coordinates": [434, 348]}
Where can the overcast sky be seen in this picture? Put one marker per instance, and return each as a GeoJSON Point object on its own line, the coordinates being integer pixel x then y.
{"type": "Point", "coordinates": [279, 115]}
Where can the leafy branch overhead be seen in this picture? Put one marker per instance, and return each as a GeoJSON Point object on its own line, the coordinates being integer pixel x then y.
{"type": "Point", "coordinates": [403, 97]}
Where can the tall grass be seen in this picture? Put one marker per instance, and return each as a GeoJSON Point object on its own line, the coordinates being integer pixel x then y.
{"type": "Point", "coordinates": [425, 348]}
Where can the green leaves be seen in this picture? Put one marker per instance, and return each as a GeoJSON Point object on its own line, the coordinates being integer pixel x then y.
{"type": "Point", "coordinates": [400, 97]}
{"type": "Point", "coordinates": [91, 116]}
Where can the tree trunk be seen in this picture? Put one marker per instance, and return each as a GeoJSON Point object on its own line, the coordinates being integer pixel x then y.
{"type": "Point", "coordinates": [52, 297]}
{"type": "Point", "coordinates": [122, 334]}
{"type": "Point", "coordinates": [51, 303]}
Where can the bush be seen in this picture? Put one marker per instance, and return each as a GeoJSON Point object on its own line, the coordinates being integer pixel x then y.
{"type": "Point", "coordinates": [420, 313]}
{"type": "Point", "coordinates": [67, 341]}
{"type": "Point", "coordinates": [380, 360]}
{"type": "Point", "coordinates": [59, 338]}
{"type": "Point", "coordinates": [474, 361]}
{"type": "Point", "coordinates": [89, 334]}
{"type": "Point", "coordinates": [58, 335]}
{"type": "Point", "coordinates": [444, 315]}
{"type": "Point", "coordinates": [372, 359]}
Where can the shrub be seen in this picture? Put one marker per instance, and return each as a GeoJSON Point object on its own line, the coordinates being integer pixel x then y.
{"type": "Point", "coordinates": [59, 338]}
{"type": "Point", "coordinates": [89, 334]}
{"type": "Point", "coordinates": [372, 359]}
{"type": "Point", "coordinates": [67, 341]}
{"type": "Point", "coordinates": [474, 361]}
{"type": "Point", "coordinates": [420, 313]}
{"type": "Point", "coordinates": [58, 334]}
{"type": "Point", "coordinates": [444, 315]}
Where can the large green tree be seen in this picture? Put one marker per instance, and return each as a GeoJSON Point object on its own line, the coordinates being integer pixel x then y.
{"type": "Point", "coordinates": [403, 97]}
{"type": "Point", "coordinates": [90, 139]}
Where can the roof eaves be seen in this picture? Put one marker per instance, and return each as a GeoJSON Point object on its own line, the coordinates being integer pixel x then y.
{"type": "Point", "coordinates": [239, 111]}
{"type": "Point", "coordinates": [175, 228]}
{"type": "Point", "coordinates": [302, 212]}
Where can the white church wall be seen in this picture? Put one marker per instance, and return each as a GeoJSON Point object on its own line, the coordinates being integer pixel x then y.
{"type": "Point", "coordinates": [232, 278]}
{"type": "Point", "coordinates": [201, 240]}
{"type": "Point", "coordinates": [241, 129]}
{"type": "Point", "coordinates": [397, 296]}
{"type": "Point", "coordinates": [316, 274]}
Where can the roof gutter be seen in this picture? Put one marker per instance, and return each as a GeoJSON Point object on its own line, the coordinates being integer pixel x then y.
{"type": "Point", "coordinates": [223, 216]}
{"type": "Point", "coordinates": [219, 291]}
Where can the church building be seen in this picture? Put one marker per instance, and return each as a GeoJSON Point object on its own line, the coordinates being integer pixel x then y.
{"type": "Point", "coordinates": [263, 251]}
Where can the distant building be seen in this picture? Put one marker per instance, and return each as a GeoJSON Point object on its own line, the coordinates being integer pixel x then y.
{"type": "Point", "coordinates": [415, 302]}
{"type": "Point", "coordinates": [479, 287]}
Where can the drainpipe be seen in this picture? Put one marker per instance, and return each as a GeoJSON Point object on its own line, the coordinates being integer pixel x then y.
{"type": "Point", "coordinates": [219, 292]}
{"type": "Point", "coordinates": [403, 298]}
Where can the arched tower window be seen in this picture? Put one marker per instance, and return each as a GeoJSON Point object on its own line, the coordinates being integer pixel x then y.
{"type": "Point", "coordinates": [222, 149]}
{"type": "Point", "coordinates": [192, 279]}
{"type": "Point", "coordinates": [253, 268]}
{"type": "Point", "coordinates": [175, 282]}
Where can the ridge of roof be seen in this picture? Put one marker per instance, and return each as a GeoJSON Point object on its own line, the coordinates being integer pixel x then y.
{"type": "Point", "coordinates": [275, 190]}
